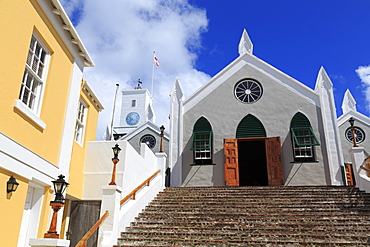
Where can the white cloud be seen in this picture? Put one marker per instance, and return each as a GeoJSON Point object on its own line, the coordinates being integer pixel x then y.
{"type": "Point", "coordinates": [364, 73]}
{"type": "Point", "coordinates": [121, 37]}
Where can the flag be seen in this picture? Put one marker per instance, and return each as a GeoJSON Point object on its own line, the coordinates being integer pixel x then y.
{"type": "Point", "coordinates": [156, 61]}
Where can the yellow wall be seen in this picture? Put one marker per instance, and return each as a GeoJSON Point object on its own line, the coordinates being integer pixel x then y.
{"type": "Point", "coordinates": [18, 20]}
{"type": "Point", "coordinates": [11, 208]}
{"type": "Point", "coordinates": [76, 176]}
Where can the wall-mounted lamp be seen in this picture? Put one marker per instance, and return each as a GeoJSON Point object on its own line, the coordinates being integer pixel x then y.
{"type": "Point", "coordinates": [11, 185]}
{"type": "Point", "coordinates": [60, 186]}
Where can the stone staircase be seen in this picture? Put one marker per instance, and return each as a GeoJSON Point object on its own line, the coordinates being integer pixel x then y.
{"type": "Point", "coordinates": [253, 216]}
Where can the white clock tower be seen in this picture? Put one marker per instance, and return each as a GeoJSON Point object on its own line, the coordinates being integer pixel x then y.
{"type": "Point", "coordinates": [136, 109]}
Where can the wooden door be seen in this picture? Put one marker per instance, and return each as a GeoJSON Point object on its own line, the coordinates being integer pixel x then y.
{"type": "Point", "coordinates": [231, 166]}
{"type": "Point", "coordinates": [275, 170]}
{"type": "Point", "coordinates": [83, 216]}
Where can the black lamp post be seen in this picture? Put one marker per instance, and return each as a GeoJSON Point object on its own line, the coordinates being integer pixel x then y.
{"type": "Point", "coordinates": [352, 123]}
{"type": "Point", "coordinates": [115, 160]}
{"type": "Point", "coordinates": [161, 135]}
{"type": "Point", "coordinates": [11, 185]}
{"type": "Point", "coordinates": [60, 186]}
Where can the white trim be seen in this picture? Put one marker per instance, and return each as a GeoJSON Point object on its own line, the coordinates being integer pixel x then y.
{"type": "Point", "coordinates": [358, 116]}
{"type": "Point", "coordinates": [57, 15]}
{"type": "Point", "coordinates": [81, 124]}
{"type": "Point", "coordinates": [260, 65]}
{"type": "Point", "coordinates": [70, 120]}
{"type": "Point", "coordinates": [29, 113]}
{"type": "Point", "coordinates": [147, 125]}
{"type": "Point", "coordinates": [22, 161]}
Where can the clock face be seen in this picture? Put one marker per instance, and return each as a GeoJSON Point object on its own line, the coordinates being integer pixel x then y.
{"type": "Point", "coordinates": [132, 118]}
{"type": "Point", "coordinates": [248, 91]}
{"type": "Point", "coordinates": [359, 134]}
{"type": "Point", "coordinates": [148, 140]}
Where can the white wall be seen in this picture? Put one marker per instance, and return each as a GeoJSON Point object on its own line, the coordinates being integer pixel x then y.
{"type": "Point", "coordinates": [132, 169]}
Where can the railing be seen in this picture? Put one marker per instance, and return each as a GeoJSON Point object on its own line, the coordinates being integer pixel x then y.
{"type": "Point", "coordinates": [132, 195]}
{"type": "Point", "coordinates": [82, 242]}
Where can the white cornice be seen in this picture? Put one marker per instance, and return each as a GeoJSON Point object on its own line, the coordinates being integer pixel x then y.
{"type": "Point", "coordinates": [66, 25]}
{"type": "Point", "coordinates": [265, 68]}
{"type": "Point", "coordinates": [149, 125]}
{"type": "Point", "coordinates": [92, 96]}
{"type": "Point", "coordinates": [356, 115]}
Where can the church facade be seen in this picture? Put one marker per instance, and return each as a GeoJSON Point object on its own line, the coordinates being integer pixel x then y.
{"type": "Point", "coordinates": [252, 124]}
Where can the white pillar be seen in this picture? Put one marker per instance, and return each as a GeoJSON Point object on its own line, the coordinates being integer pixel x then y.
{"type": "Point", "coordinates": [161, 165]}
{"type": "Point", "coordinates": [108, 231]}
{"type": "Point", "coordinates": [48, 242]}
{"type": "Point", "coordinates": [358, 157]}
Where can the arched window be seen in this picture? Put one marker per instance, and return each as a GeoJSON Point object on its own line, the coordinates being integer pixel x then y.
{"type": "Point", "coordinates": [250, 126]}
{"type": "Point", "coordinates": [202, 142]}
{"type": "Point", "coordinates": [303, 138]}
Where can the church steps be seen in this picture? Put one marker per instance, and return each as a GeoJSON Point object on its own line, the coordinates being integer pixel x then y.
{"type": "Point", "coordinates": [232, 242]}
{"type": "Point", "coordinates": [244, 236]}
{"type": "Point", "coordinates": [233, 225]}
{"type": "Point", "coordinates": [257, 216]}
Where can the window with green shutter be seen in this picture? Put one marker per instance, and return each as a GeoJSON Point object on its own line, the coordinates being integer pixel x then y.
{"type": "Point", "coordinates": [303, 139]}
{"type": "Point", "coordinates": [201, 142]}
{"type": "Point", "coordinates": [250, 126]}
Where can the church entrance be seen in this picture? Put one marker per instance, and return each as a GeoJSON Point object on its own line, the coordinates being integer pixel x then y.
{"type": "Point", "coordinates": [254, 161]}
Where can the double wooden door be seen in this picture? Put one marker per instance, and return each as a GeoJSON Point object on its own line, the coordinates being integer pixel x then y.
{"type": "Point", "coordinates": [273, 160]}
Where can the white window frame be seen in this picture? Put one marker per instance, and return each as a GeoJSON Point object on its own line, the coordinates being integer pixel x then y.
{"type": "Point", "coordinates": [80, 122]}
{"type": "Point", "coordinates": [34, 80]}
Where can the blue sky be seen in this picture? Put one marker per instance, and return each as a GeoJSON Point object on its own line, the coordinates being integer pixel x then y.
{"type": "Point", "coordinates": [195, 39]}
{"type": "Point", "coordinates": [297, 37]}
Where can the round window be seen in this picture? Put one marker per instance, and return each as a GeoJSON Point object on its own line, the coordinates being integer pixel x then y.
{"type": "Point", "coordinates": [248, 91]}
{"type": "Point", "coordinates": [359, 134]}
{"type": "Point", "coordinates": [148, 140]}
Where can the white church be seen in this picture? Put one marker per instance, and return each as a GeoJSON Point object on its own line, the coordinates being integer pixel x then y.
{"type": "Point", "coordinates": [252, 124]}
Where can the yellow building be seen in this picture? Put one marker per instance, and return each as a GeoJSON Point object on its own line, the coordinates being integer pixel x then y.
{"type": "Point", "coordinates": [47, 114]}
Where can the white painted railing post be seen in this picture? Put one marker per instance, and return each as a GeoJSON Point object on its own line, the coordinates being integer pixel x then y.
{"type": "Point", "coordinates": [358, 158]}
{"type": "Point", "coordinates": [108, 231]}
{"type": "Point", "coordinates": [162, 165]}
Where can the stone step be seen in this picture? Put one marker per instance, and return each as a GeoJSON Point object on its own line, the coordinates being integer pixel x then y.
{"type": "Point", "coordinates": [242, 235]}
{"type": "Point", "coordinates": [262, 188]}
{"type": "Point", "coordinates": [204, 201]}
{"type": "Point", "coordinates": [258, 209]}
{"type": "Point", "coordinates": [246, 215]}
{"type": "Point", "coordinates": [303, 224]}
{"type": "Point", "coordinates": [282, 240]}
{"type": "Point", "coordinates": [352, 230]}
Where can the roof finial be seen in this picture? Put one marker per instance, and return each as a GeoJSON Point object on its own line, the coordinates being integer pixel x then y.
{"type": "Point", "coordinates": [245, 44]}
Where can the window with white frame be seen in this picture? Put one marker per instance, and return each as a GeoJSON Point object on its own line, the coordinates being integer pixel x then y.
{"type": "Point", "coordinates": [34, 76]}
{"type": "Point", "coordinates": [303, 139]}
{"type": "Point", "coordinates": [80, 121]}
{"type": "Point", "coordinates": [201, 144]}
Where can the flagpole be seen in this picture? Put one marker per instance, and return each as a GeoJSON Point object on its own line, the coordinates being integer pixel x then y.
{"type": "Point", "coordinates": [153, 62]}
{"type": "Point", "coordinates": [114, 107]}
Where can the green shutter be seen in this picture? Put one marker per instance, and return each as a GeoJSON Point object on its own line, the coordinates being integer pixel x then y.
{"type": "Point", "coordinates": [300, 120]}
{"type": "Point", "coordinates": [304, 137]}
{"type": "Point", "coordinates": [250, 126]}
{"type": "Point", "coordinates": [202, 125]}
